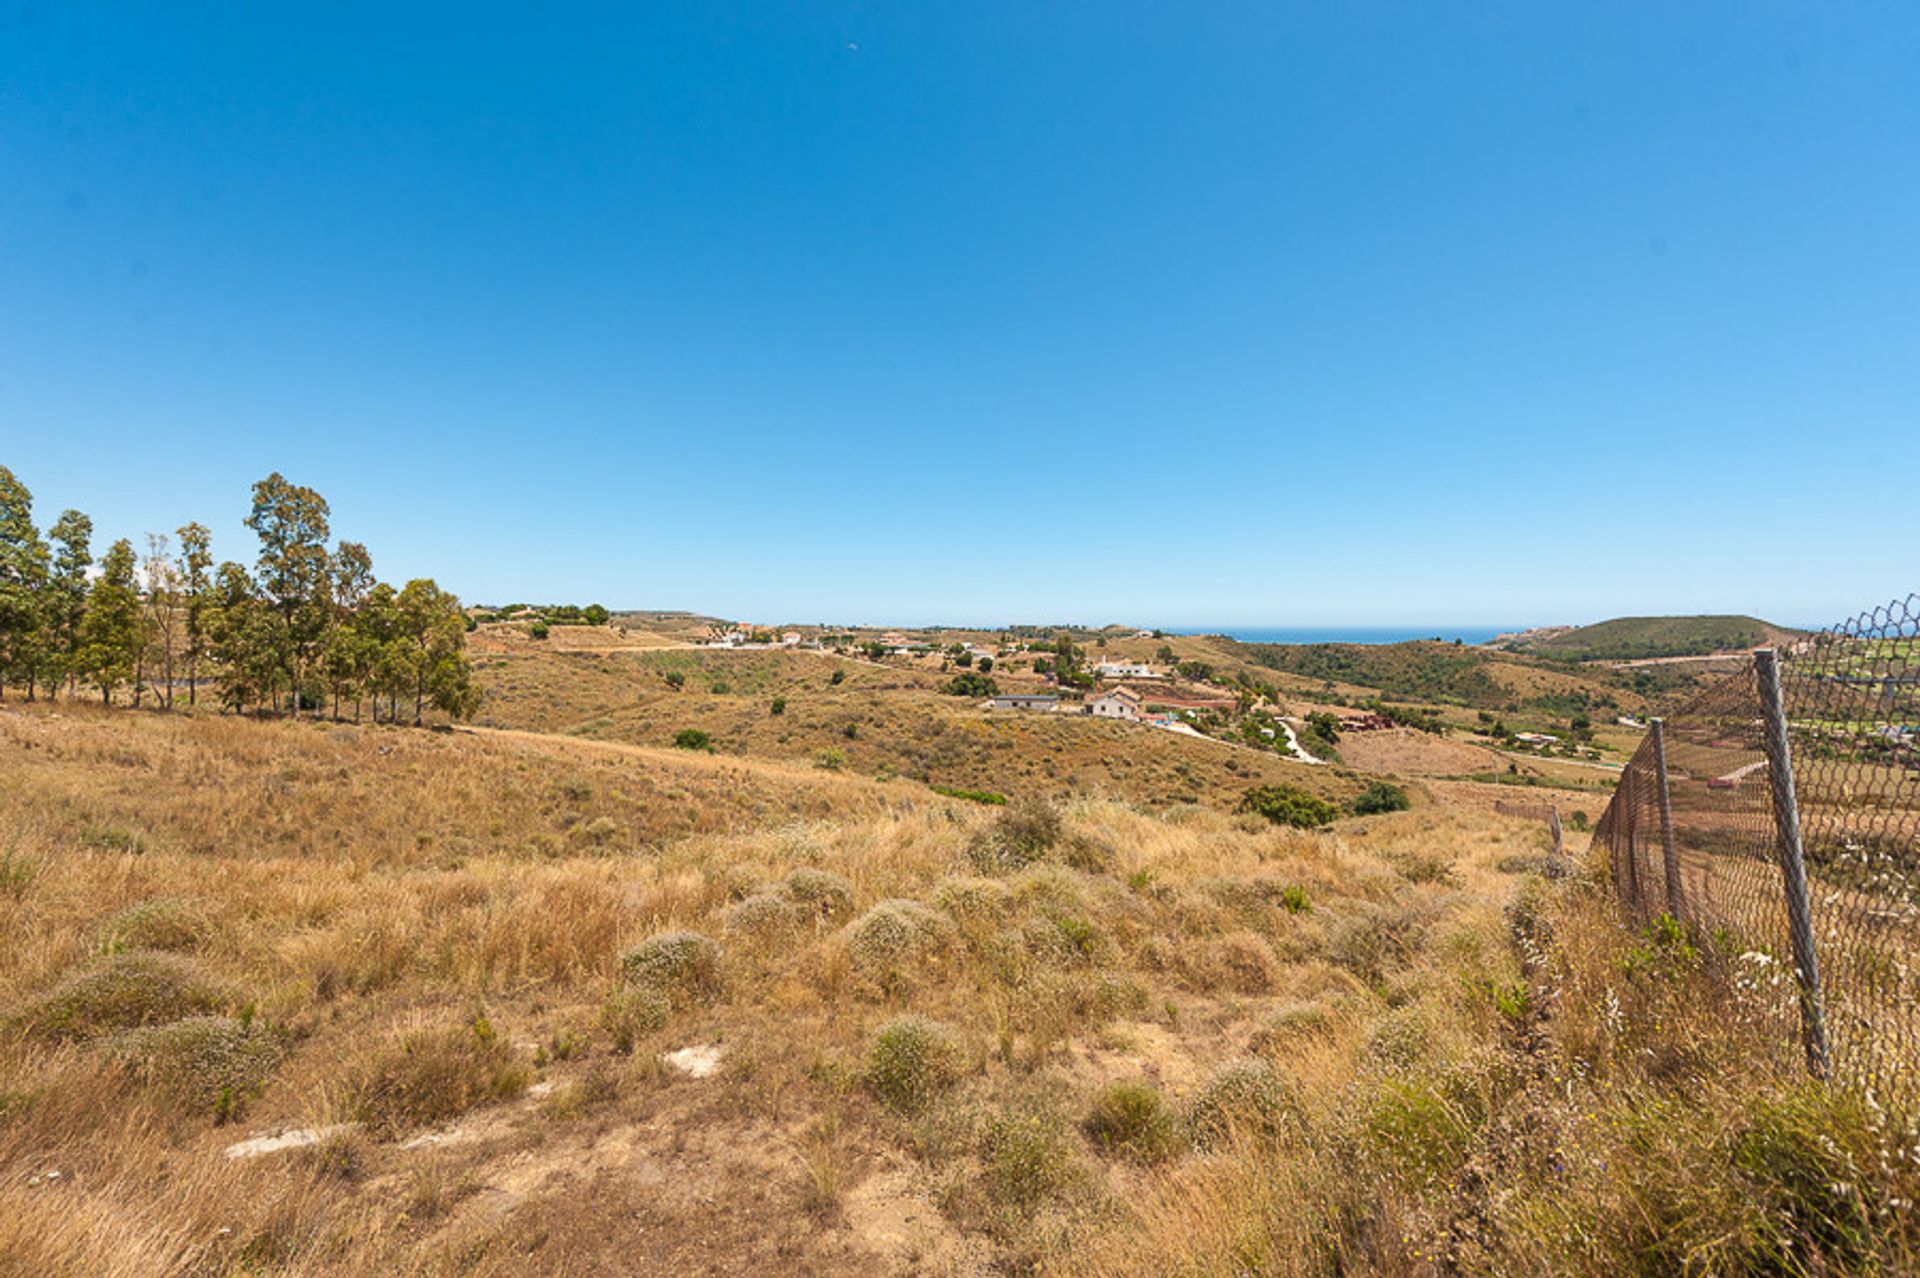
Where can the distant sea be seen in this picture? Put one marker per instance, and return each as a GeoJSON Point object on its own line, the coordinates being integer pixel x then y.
{"type": "Point", "coordinates": [1349, 634]}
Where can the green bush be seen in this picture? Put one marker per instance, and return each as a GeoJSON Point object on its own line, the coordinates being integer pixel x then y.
{"type": "Point", "coordinates": [630, 1014]}
{"type": "Point", "coordinates": [912, 1060]}
{"type": "Point", "coordinates": [538, 630]}
{"type": "Point", "coordinates": [121, 992]}
{"type": "Point", "coordinates": [837, 678]}
{"type": "Point", "coordinates": [683, 968]}
{"type": "Point", "coordinates": [1288, 805]}
{"type": "Point", "coordinates": [1381, 796]}
{"type": "Point", "coordinates": [1133, 1119]}
{"type": "Point", "coordinates": [971, 684]}
{"type": "Point", "coordinates": [779, 706]}
{"type": "Point", "coordinates": [692, 739]}
{"type": "Point", "coordinates": [990, 797]}
{"type": "Point", "coordinates": [1029, 1158]}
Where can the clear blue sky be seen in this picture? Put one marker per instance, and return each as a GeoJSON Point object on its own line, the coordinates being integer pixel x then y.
{"type": "Point", "coordinates": [1174, 313]}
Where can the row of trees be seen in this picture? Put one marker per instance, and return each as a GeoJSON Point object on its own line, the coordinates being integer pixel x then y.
{"type": "Point", "coordinates": [308, 628]}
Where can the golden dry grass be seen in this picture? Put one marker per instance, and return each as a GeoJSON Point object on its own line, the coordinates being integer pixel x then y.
{"type": "Point", "coordinates": [435, 924]}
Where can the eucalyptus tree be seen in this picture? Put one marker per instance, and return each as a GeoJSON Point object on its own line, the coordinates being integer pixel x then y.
{"type": "Point", "coordinates": [23, 572]}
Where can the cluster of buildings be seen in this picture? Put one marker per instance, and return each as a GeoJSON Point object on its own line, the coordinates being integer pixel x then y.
{"type": "Point", "coordinates": [1114, 703]}
{"type": "Point", "coordinates": [761, 640]}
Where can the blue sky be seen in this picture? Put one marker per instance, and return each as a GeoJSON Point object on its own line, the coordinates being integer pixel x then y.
{"type": "Point", "coordinates": [1210, 314]}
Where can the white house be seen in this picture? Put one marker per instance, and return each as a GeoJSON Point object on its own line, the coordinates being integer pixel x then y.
{"type": "Point", "coordinates": [1124, 670]}
{"type": "Point", "coordinates": [1043, 703]}
{"type": "Point", "coordinates": [1118, 703]}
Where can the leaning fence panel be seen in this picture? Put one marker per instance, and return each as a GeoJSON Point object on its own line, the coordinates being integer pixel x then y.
{"type": "Point", "coordinates": [1851, 701]}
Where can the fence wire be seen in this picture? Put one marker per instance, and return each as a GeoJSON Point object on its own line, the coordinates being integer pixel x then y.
{"type": "Point", "coordinates": [1851, 696]}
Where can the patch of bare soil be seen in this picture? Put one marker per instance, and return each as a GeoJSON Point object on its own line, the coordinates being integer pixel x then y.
{"type": "Point", "coordinates": [1407, 753]}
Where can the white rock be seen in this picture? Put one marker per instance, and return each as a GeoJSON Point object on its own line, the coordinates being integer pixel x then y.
{"type": "Point", "coordinates": [697, 1061]}
{"type": "Point", "coordinates": [294, 1138]}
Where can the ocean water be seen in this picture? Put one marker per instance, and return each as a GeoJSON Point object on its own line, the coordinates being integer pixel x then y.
{"type": "Point", "coordinates": [1348, 634]}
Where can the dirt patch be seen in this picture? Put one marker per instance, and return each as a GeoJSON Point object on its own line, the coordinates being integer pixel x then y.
{"type": "Point", "coordinates": [1404, 752]}
{"type": "Point", "coordinates": [891, 1216]}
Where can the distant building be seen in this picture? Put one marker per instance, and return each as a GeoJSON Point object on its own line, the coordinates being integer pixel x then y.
{"type": "Point", "coordinates": [1044, 703]}
{"type": "Point", "coordinates": [1536, 738]}
{"type": "Point", "coordinates": [1124, 670]}
{"type": "Point", "coordinates": [1119, 703]}
{"type": "Point", "coordinates": [1367, 723]}
{"type": "Point", "coordinates": [791, 639]}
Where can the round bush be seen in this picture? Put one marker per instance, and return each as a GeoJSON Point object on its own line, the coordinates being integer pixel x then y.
{"type": "Point", "coordinates": [168, 923]}
{"type": "Point", "coordinates": [892, 931]}
{"type": "Point", "coordinates": [822, 892]}
{"type": "Point", "coordinates": [120, 992]}
{"type": "Point", "coordinates": [1246, 1095]}
{"type": "Point", "coordinates": [762, 914]}
{"type": "Point", "coordinates": [682, 967]}
{"type": "Point", "coordinates": [214, 1061]}
{"type": "Point", "coordinates": [1133, 1119]}
{"type": "Point", "coordinates": [912, 1060]}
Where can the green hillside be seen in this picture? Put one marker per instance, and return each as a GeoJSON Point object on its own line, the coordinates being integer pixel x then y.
{"type": "Point", "coordinates": [1627, 638]}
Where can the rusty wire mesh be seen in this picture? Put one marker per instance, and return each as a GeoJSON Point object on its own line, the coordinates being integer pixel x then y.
{"type": "Point", "coordinates": [1851, 696]}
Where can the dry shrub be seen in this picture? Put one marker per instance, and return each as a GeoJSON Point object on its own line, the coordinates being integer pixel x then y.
{"type": "Point", "coordinates": [168, 923]}
{"type": "Point", "coordinates": [762, 914]}
{"type": "Point", "coordinates": [1292, 1024]}
{"type": "Point", "coordinates": [1246, 1096]}
{"type": "Point", "coordinates": [684, 968]}
{"type": "Point", "coordinates": [429, 1075]}
{"type": "Point", "coordinates": [968, 899]}
{"type": "Point", "coordinates": [1242, 962]}
{"type": "Point", "coordinates": [826, 895]}
{"type": "Point", "coordinates": [215, 1062]}
{"type": "Point", "coordinates": [894, 931]}
{"type": "Point", "coordinates": [1019, 835]}
{"type": "Point", "coordinates": [120, 992]}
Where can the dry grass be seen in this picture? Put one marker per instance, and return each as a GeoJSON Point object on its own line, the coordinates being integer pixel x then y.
{"type": "Point", "coordinates": [1172, 1041]}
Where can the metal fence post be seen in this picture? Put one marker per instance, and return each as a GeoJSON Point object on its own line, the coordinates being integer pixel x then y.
{"type": "Point", "coordinates": [1554, 865]}
{"type": "Point", "coordinates": [1676, 896]}
{"type": "Point", "coordinates": [1793, 861]}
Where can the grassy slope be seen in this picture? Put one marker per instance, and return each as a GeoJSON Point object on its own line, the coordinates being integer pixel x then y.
{"type": "Point", "coordinates": [435, 922]}
{"type": "Point", "coordinates": [1628, 638]}
{"type": "Point", "coordinates": [901, 726]}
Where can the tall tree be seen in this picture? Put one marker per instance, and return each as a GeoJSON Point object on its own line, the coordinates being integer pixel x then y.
{"type": "Point", "coordinates": [72, 536]}
{"type": "Point", "coordinates": [242, 638]}
{"type": "Point", "coordinates": [294, 571]}
{"type": "Point", "coordinates": [113, 633]}
{"type": "Point", "coordinates": [23, 570]}
{"type": "Point", "coordinates": [434, 630]}
{"type": "Point", "coordinates": [196, 561]}
{"type": "Point", "coordinates": [161, 574]}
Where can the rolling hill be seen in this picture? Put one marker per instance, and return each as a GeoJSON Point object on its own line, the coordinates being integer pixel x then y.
{"type": "Point", "coordinates": [1632, 638]}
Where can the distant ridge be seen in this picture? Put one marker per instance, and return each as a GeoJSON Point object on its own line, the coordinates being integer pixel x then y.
{"type": "Point", "coordinates": [1634, 638]}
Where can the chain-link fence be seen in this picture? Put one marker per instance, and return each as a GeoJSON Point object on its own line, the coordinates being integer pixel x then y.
{"type": "Point", "coordinates": [1778, 814]}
